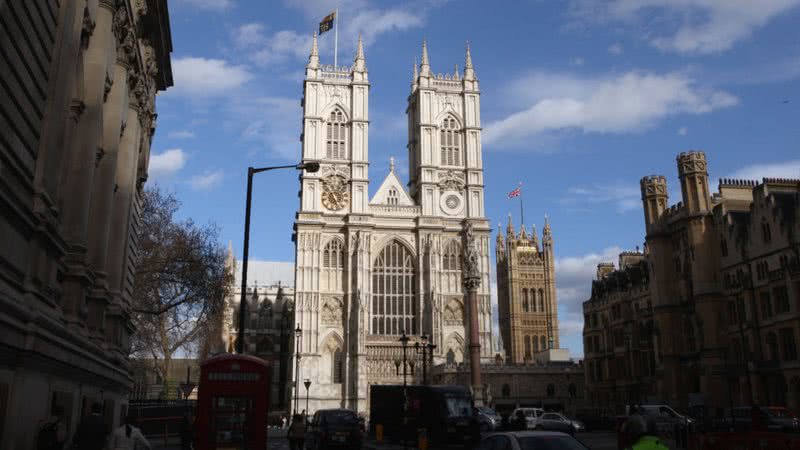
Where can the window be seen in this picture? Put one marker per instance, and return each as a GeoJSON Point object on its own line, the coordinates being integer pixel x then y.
{"type": "Point", "coordinates": [333, 255]}
{"type": "Point", "coordinates": [337, 366]}
{"type": "Point", "coordinates": [551, 390]}
{"type": "Point", "coordinates": [528, 347]}
{"type": "Point", "coordinates": [732, 313]}
{"type": "Point", "coordinates": [724, 247]}
{"type": "Point", "coordinates": [541, 300]}
{"type": "Point", "coordinates": [772, 345]}
{"type": "Point", "coordinates": [787, 342]}
{"type": "Point", "coordinates": [450, 142]}
{"type": "Point", "coordinates": [506, 390]}
{"type": "Point", "coordinates": [337, 135]}
{"type": "Point", "coordinates": [394, 298]}
{"type": "Point", "coordinates": [766, 306]}
{"type": "Point", "coordinates": [766, 234]}
{"type": "Point", "coordinates": [392, 197]}
{"type": "Point", "coordinates": [525, 300]}
{"type": "Point", "coordinates": [451, 260]}
{"type": "Point", "coordinates": [543, 343]}
{"type": "Point", "coordinates": [573, 390]}
{"type": "Point", "coordinates": [536, 345]}
{"type": "Point", "coordinates": [781, 299]}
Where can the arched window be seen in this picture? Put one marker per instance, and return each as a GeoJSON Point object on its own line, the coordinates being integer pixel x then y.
{"type": "Point", "coordinates": [524, 300]}
{"type": "Point", "coordinates": [450, 142]}
{"type": "Point", "coordinates": [333, 255]}
{"type": "Point", "coordinates": [337, 366]}
{"type": "Point", "coordinates": [772, 344]}
{"type": "Point", "coordinates": [528, 347]}
{"type": "Point", "coordinates": [394, 298]}
{"type": "Point", "coordinates": [451, 259]}
{"type": "Point", "coordinates": [392, 197]}
{"type": "Point", "coordinates": [536, 345]}
{"type": "Point", "coordinates": [766, 234]}
{"type": "Point", "coordinates": [337, 135]}
{"type": "Point", "coordinates": [551, 390]}
{"type": "Point", "coordinates": [533, 300]}
{"type": "Point", "coordinates": [541, 301]}
{"type": "Point", "coordinates": [543, 342]}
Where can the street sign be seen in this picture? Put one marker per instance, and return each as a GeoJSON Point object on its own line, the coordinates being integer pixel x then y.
{"type": "Point", "coordinates": [187, 389]}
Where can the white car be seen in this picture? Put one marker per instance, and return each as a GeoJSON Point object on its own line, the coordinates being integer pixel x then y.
{"type": "Point", "coordinates": [531, 416]}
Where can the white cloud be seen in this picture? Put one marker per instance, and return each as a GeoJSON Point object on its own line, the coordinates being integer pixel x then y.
{"type": "Point", "coordinates": [623, 196]}
{"type": "Point", "coordinates": [205, 77]}
{"type": "Point", "coordinates": [282, 45]}
{"type": "Point", "coordinates": [577, 62]}
{"type": "Point", "coordinates": [270, 122]}
{"type": "Point", "coordinates": [215, 5]}
{"type": "Point", "coordinates": [786, 169]}
{"type": "Point", "coordinates": [249, 34]}
{"type": "Point", "coordinates": [206, 181]}
{"type": "Point", "coordinates": [683, 131]}
{"type": "Point", "coordinates": [574, 275]}
{"type": "Point", "coordinates": [166, 163]}
{"type": "Point", "coordinates": [690, 26]}
{"type": "Point", "coordinates": [180, 134]}
{"type": "Point", "coordinates": [624, 103]}
{"type": "Point", "coordinates": [371, 22]}
{"type": "Point", "coordinates": [615, 49]}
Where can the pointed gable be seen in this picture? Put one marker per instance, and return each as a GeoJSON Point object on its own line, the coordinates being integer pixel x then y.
{"type": "Point", "coordinates": [392, 192]}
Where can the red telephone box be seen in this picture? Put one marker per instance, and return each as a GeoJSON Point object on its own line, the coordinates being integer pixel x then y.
{"type": "Point", "coordinates": [232, 403]}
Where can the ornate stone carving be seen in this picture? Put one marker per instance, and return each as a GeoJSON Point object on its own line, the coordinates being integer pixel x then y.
{"type": "Point", "coordinates": [87, 28]}
{"type": "Point", "coordinates": [150, 65]}
{"type": "Point", "coordinates": [332, 312]}
{"type": "Point", "coordinates": [140, 7]}
{"type": "Point", "coordinates": [109, 82]}
{"type": "Point", "coordinates": [472, 271]}
{"type": "Point", "coordinates": [451, 181]}
{"type": "Point", "coordinates": [76, 107]}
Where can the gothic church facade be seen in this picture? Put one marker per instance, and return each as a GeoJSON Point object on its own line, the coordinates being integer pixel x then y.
{"type": "Point", "coordinates": [370, 269]}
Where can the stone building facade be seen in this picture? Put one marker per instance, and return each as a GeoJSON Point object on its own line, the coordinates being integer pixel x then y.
{"type": "Point", "coordinates": [724, 286]}
{"type": "Point", "coordinates": [526, 292]}
{"type": "Point", "coordinates": [269, 325]}
{"type": "Point", "coordinates": [368, 270]}
{"type": "Point", "coordinates": [554, 386]}
{"type": "Point", "coordinates": [78, 81]}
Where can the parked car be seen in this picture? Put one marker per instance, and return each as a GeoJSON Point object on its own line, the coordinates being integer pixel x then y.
{"type": "Point", "coordinates": [554, 422]}
{"type": "Point", "coordinates": [334, 428]}
{"type": "Point", "coordinates": [530, 440]}
{"type": "Point", "coordinates": [741, 418]}
{"type": "Point", "coordinates": [667, 419]}
{"type": "Point", "coordinates": [488, 419]}
{"type": "Point", "coordinates": [531, 415]}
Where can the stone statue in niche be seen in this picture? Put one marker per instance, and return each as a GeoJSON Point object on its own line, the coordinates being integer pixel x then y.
{"type": "Point", "coordinates": [471, 267]}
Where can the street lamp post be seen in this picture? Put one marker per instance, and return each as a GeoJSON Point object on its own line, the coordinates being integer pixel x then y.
{"type": "Point", "coordinates": [307, 383]}
{"type": "Point", "coordinates": [310, 167]}
{"type": "Point", "coordinates": [298, 333]}
{"type": "Point", "coordinates": [404, 341]}
{"type": "Point", "coordinates": [426, 349]}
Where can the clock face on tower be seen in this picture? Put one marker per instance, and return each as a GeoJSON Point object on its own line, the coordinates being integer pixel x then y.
{"type": "Point", "coordinates": [334, 193]}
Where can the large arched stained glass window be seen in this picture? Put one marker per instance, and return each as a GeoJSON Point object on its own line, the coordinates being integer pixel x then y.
{"type": "Point", "coordinates": [393, 297]}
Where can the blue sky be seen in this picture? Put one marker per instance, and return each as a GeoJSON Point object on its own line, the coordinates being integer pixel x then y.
{"type": "Point", "coordinates": [580, 99]}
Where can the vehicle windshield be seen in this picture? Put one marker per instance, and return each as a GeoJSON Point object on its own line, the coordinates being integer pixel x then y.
{"type": "Point", "coordinates": [780, 412]}
{"type": "Point", "coordinates": [458, 406]}
{"type": "Point", "coordinates": [553, 442]}
{"type": "Point", "coordinates": [486, 410]}
{"type": "Point", "coordinates": [339, 418]}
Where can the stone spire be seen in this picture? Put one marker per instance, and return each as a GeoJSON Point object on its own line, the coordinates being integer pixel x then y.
{"type": "Point", "coordinates": [391, 164]}
{"type": "Point", "coordinates": [535, 237]}
{"type": "Point", "coordinates": [455, 72]}
{"type": "Point", "coordinates": [415, 76]}
{"type": "Point", "coordinates": [547, 237]}
{"type": "Point", "coordinates": [313, 58]}
{"type": "Point", "coordinates": [425, 67]}
{"type": "Point", "coordinates": [469, 72]}
{"type": "Point", "coordinates": [510, 228]}
{"type": "Point", "coordinates": [522, 233]}
{"type": "Point", "coordinates": [360, 61]}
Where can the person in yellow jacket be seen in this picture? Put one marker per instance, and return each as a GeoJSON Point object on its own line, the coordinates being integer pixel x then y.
{"type": "Point", "coordinates": [642, 432]}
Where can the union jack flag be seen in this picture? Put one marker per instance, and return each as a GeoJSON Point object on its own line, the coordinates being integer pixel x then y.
{"type": "Point", "coordinates": [515, 193]}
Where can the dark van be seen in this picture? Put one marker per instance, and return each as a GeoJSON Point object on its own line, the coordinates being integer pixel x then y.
{"type": "Point", "coordinates": [444, 412]}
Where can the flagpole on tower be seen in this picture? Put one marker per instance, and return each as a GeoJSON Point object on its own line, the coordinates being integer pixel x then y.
{"type": "Point", "coordinates": [521, 211]}
{"type": "Point", "coordinates": [336, 39]}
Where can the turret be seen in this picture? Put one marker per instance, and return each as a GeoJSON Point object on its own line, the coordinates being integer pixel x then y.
{"type": "Point", "coordinates": [414, 77]}
{"type": "Point", "coordinates": [510, 230]}
{"type": "Point", "coordinates": [500, 243]}
{"type": "Point", "coordinates": [469, 72]}
{"type": "Point", "coordinates": [547, 236]}
{"type": "Point", "coordinates": [693, 173]}
{"type": "Point", "coordinates": [535, 237]}
{"type": "Point", "coordinates": [360, 64]}
{"type": "Point", "coordinates": [313, 59]}
{"type": "Point", "coordinates": [425, 66]}
{"type": "Point", "coordinates": [654, 199]}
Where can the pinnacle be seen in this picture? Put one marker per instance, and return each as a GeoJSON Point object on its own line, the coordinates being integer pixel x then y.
{"type": "Point", "coordinates": [425, 67]}
{"type": "Point", "coordinates": [360, 50]}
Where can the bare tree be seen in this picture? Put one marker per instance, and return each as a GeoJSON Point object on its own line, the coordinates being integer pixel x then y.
{"type": "Point", "coordinates": [180, 283]}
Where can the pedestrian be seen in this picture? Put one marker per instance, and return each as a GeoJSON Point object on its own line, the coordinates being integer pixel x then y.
{"type": "Point", "coordinates": [187, 433]}
{"type": "Point", "coordinates": [297, 433]}
{"type": "Point", "coordinates": [92, 431]}
{"type": "Point", "coordinates": [128, 437]}
{"type": "Point", "coordinates": [640, 433]}
{"type": "Point", "coordinates": [283, 422]}
{"type": "Point", "coordinates": [52, 435]}
{"type": "Point", "coordinates": [520, 424]}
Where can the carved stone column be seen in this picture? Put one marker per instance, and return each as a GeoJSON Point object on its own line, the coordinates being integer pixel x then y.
{"type": "Point", "coordinates": [472, 281]}
{"type": "Point", "coordinates": [84, 155]}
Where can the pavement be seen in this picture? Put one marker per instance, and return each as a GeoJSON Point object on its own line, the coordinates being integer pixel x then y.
{"type": "Point", "coordinates": [276, 440]}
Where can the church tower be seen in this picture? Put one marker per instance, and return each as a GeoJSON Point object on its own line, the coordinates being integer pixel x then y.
{"type": "Point", "coordinates": [526, 292]}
